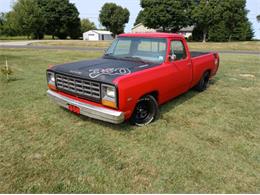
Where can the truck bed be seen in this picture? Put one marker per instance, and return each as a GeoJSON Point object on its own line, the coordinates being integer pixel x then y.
{"type": "Point", "coordinates": [201, 61]}
{"type": "Point", "coordinates": [198, 53]}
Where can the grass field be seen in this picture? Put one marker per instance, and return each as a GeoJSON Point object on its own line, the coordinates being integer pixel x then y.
{"type": "Point", "coordinates": [237, 46]}
{"type": "Point", "coordinates": [76, 43]}
{"type": "Point", "coordinates": [19, 38]}
{"type": "Point", "coordinates": [203, 142]}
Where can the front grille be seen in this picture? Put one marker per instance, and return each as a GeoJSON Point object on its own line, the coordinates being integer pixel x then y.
{"type": "Point", "coordinates": [83, 88]}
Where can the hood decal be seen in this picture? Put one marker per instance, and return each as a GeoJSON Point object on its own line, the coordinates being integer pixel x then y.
{"type": "Point", "coordinates": [94, 73]}
{"type": "Point", "coordinates": [103, 69]}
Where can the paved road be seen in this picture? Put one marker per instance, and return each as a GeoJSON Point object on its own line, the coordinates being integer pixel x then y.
{"type": "Point", "coordinates": [239, 52]}
{"type": "Point", "coordinates": [26, 45]}
{"type": "Point", "coordinates": [17, 43]}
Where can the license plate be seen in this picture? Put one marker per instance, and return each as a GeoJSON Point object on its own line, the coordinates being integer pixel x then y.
{"type": "Point", "coordinates": [74, 109]}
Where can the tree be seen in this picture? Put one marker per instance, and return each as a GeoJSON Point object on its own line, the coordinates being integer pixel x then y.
{"type": "Point", "coordinates": [9, 24]}
{"type": "Point", "coordinates": [258, 18]}
{"type": "Point", "coordinates": [140, 18]}
{"type": "Point", "coordinates": [202, 16]}
{"type": "Point", "coordinates": [167, 15]}
{"type": "Point", "coordinates": [28, 19]}
{"type": "Point", "coordinates": [243, 31]}
{"type": "Point", "coordinates": [234, 15]}
{"type": "Point", "coordinates": [114, 18]}
{"type": "Point", "coordinates": [62, 18]}
{"type": "Point", "coordinates": [86, 25]}
{"type": "Point", "coordinates": [2, 19]}
{"type": "Point", "coordinates": [221, 20]}
{"type": "Point", "coordinates": [218, 32]}
{"type": "Point", "coordinates": [2, 22]}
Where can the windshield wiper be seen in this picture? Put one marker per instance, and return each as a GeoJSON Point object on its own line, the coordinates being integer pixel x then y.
{"type": "Point", "coordinates": [135, 58]}
{"type": "Point", "coordinates": [110, 55]}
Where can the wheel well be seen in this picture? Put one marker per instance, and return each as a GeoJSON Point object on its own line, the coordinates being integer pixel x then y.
{"type": "Point", "coordinates": [209, 71]}
{"type": "Point", "coordinates": [155, 94]}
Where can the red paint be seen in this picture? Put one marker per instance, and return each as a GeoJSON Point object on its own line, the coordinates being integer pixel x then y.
{"type": "Point", "coordinates": [152, 35]}
{"type": "Point", "coordinates": [74, 109]}
{"type": "Point", "coordinates": [167, 81]}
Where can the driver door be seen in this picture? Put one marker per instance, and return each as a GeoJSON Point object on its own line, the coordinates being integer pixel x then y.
{"type": "Point", "coordinates": [183, 65]}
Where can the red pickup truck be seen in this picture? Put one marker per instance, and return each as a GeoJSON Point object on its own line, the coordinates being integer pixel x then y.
{"type": "Point", "coordinates": [137, 73]}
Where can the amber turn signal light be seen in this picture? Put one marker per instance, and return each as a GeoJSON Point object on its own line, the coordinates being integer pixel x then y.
{"type": "Point", "coordinates": [52, 87]}
{"type": "Point", "coordinates": [109, 103]}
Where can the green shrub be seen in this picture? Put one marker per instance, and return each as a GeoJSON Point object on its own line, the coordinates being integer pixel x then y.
{"type": "Point", "coordinates": [6, 71]}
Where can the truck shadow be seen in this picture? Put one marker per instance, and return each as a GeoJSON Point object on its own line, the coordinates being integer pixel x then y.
{"type": "Point", "coordinates": [125, 126]}
{"type": "Point", "coordinates": [164, 108]}
{"type": "Point", "coordinates": [175, 102]}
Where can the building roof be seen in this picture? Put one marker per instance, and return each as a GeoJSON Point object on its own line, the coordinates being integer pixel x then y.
{"type": "Point", "coordinates": [187, 29]}
{"type": "Point", "coordinates": [103, 32]}
{"type": "Point", "coordinates": [139, 24]}
{"type": "Point", "coordinates": [152, 35]}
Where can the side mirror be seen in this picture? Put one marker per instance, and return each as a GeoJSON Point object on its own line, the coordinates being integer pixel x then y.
{"type": "Point", "coordinates": [172, 57]}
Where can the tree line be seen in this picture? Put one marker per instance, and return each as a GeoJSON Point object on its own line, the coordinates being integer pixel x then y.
{"type": "Point", "coordinates": [58, 18]}
{"type": "Point", "coordinates": [214, 20]}
{"type": "Point", "coordinates": [35, 18]}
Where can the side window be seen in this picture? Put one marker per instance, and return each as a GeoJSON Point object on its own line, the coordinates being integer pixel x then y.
{"type": "Point", "coordinates": [178, 49]}
{"type": "Point", "coordinates": [152, 46]}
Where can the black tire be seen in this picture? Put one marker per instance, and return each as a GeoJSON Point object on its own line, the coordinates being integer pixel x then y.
{"type": "Point", "coordinates": [146, 111]}
{"type": "Point", "coordinates": [203, 83]}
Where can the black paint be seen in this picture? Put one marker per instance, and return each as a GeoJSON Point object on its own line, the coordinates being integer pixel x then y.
{"type": "Point", "coordinates": [103, 70]}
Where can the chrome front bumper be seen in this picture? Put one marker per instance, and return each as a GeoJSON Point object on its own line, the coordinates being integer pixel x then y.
{"type": "Point", "coordinates": [89, 110]}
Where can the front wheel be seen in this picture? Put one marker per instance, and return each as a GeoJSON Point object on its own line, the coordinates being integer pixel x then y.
{"type": "Point", "coordinates": [145, 111]}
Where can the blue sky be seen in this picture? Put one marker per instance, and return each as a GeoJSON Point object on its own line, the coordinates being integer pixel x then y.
{"type": "Point", "coordinates": [90, 9]}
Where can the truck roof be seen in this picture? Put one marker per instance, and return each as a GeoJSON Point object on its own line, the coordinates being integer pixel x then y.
{"type": "Point", "coordinates": [152, 35]}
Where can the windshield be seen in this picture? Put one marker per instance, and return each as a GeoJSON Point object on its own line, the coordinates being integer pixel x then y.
{"type": "Point", "coordinates": [146, 49]}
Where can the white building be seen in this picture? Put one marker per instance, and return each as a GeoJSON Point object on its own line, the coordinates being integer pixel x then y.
{"type": "Point", "coordinates": [97, 35]}
{"type": "Point", "coordinates": [140, 28]}
{"type": "Point", "coordinates": [187, 31]}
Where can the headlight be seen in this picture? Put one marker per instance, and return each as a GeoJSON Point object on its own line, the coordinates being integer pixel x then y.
{"type": "Point", "coordinates": [51, 80]}
{"type": "Point", "coordinates": [110, 91]}
{"type": "Point", "coordinates": [109, 96]}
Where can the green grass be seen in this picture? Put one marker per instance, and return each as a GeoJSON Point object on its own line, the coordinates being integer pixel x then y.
{"type": "Point", "coordinates": [75, 43]}
{"type": "Point", "coordinates": [16, 38]}
{"type": "Point", "coordinates": [236, 46]}
{"type": "Point", "coordinates": [203, 142]}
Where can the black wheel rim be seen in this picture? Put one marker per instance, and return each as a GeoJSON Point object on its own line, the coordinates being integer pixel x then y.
{"type": "Point", "coordinates": [143, 112]}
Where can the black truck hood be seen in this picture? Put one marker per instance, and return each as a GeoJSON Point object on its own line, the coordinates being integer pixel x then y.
{"type": "Point", "coordinates": [103, 69]}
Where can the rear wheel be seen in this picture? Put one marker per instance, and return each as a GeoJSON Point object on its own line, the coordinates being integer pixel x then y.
{"type": "Point", "coordinates": [204, 82]}
{"type": "Point", "coordinates": [145, 111]}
